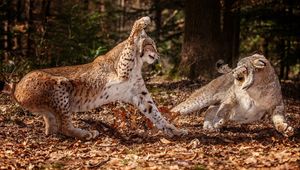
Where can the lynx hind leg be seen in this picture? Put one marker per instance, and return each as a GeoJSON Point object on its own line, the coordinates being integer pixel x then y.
{"type": "Point", "coordinates": [186, 107]}
{"type": "Point", "coordinates": [68, 129]}
{"type": "Point", "coordinates": [146, 105]}
{"type": "Point", "coordinates": [210, 114]}
{"type": "Point", "coordinates": [51, 125]}
{"type": "Point", "coordinates": [189, 105]}
{"type": "Point", "coordinates": [62, 107]}
{"type": "Point", "coordinates": [197, 101]}
{"type": "Point", "coordinates": [280, 122]}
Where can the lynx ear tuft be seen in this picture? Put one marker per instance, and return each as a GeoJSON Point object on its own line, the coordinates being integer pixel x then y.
{"type": "Point", "coordinates": [219, 63]}
{"type": "Point", "coordinates": [222, 68]}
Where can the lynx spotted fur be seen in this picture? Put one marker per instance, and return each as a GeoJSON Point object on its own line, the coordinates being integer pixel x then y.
{"type": "Point", "coordinates": [116, 76]}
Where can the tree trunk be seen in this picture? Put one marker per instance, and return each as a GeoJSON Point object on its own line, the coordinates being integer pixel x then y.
{"type": "Point", "coordinates": [19, 21]}
{"type": "Point", "coordinates": [201, 45]}
{"type": "Point", "coordinates": [230, 33]}
{"type": "Point", "coordinates": [287, 62]}
{"type": "Point", "coordinates": [281, 46]}
{"type": "Point", "coordinates": [265, 47]}
{"type": "Point", "coordinates": [157, 9]}
{"type": "Point", "coordinates": [30, 29]}
{"type": "Point", "coordinates": [7, 30]}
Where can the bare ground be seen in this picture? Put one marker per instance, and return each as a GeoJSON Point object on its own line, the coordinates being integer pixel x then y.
{"type": "Point", "coordinates": [133, 144]}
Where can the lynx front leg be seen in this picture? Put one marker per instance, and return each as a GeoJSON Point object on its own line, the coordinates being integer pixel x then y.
{"type": "Point", "coordinates": [280, 122]}
{"type": "Point", "coordinates": [209, 118]}
{"type": "Point", "coordinates": [138, 27]}
{"type": "Point", "coordinates": [222, 115]}
{"type": "Point", "coordinates": [146, 105]}
{"type": "Point", "coordinates": [130, 51]}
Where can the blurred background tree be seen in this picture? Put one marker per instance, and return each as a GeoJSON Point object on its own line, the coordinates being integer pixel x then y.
{"type": "Point", "coordinates": [191, 34]}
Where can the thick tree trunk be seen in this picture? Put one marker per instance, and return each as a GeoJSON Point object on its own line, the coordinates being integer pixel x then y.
{"type": "Point", "coordinates": [287, 63]}
{"type": "Point", "coordinates": [7, 29]}
{"type": "Point", "coordinates": [30, 28]}
{"type": "Point", "coordinates": [2, 21]}
{"type": "Point", "coordinates": [230, 33]}
{"type": "Point", "coordinates": [265, 47]}
{"type": "Point", "coordinates": [201, 47]}
{"type": "Point", "coordinates": [281, 46]}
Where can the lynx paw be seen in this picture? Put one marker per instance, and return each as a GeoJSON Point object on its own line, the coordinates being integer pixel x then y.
{"type": "Point", "coordinates": [289, 132]}
{"type": "Point", "coordinates": [92, 135]}
{"type": "Point", "coordinates": [219, 124]}
{"type": "Point", "coordinates": [172, 131]}
{"type": "Point", "coordinates": [284, 129]}
{"type": "Point", "coordinates": [142, 23]}
{"type": "Point", "coordinates": [207, 126]}
{"type": "Point", "coordinates": [239, 71]}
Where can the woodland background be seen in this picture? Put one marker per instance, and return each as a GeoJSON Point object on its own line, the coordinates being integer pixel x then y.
{"type": "Point", "coordinates": [191, 36]}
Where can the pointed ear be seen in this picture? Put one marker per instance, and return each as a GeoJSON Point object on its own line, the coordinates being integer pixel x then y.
{"type": "Point", "coordinates": [260, 63]}
{"type": "Point", "coordinates": [151, 42]}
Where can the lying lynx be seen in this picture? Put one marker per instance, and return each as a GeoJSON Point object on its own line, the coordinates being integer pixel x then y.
{"type": "Point", "coordinates": [57, 92]}
{"type": "Point", "coordinates": [244, 94]}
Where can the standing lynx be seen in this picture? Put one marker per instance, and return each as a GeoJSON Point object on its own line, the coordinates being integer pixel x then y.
{"type": "Point", "coordinates": [244, 94]}
{"type": "Point", "coordinates": [57, 92]}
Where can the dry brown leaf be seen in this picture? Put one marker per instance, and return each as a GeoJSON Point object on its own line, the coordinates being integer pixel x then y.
{"type": "Point", "coordinates": [194, 144]}
{"type": "Point", "coordinates": [165, 141]}
{"type": "Point", "coordinates": [251, 160]}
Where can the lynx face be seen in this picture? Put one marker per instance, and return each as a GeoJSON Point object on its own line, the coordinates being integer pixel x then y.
{"type": "Point", "coordinates": [149, 52]}
{"type": "Point", "coordinates": [251, 70]}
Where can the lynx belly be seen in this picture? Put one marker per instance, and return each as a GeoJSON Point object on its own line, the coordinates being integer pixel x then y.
{"type": "Point", "coordinates": [247, 110]}
{"type": "Point", "coordinates": [112, 91]}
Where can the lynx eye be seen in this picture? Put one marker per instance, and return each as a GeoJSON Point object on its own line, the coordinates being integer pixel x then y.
{"type": "Point", "coordinates": [151, 56]}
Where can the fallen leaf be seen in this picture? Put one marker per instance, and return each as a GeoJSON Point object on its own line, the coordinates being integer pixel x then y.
{"type": "Point", "coordinates": [165, 141]}
{"type": "Point", "coordinates": [251, 160]}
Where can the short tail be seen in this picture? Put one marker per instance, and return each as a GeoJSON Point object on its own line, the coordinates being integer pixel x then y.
{"type": "Point", "coordinates": [222, 67]}
{"type": "Point", "coordinates": [7, 88]}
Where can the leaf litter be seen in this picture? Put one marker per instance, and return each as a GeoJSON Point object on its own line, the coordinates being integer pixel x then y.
{"type": "Point", "coordinates": [129, 141]}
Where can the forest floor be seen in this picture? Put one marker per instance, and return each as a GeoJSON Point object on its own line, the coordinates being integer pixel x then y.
{"type": "Point", "coordinates": [133, 144]}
